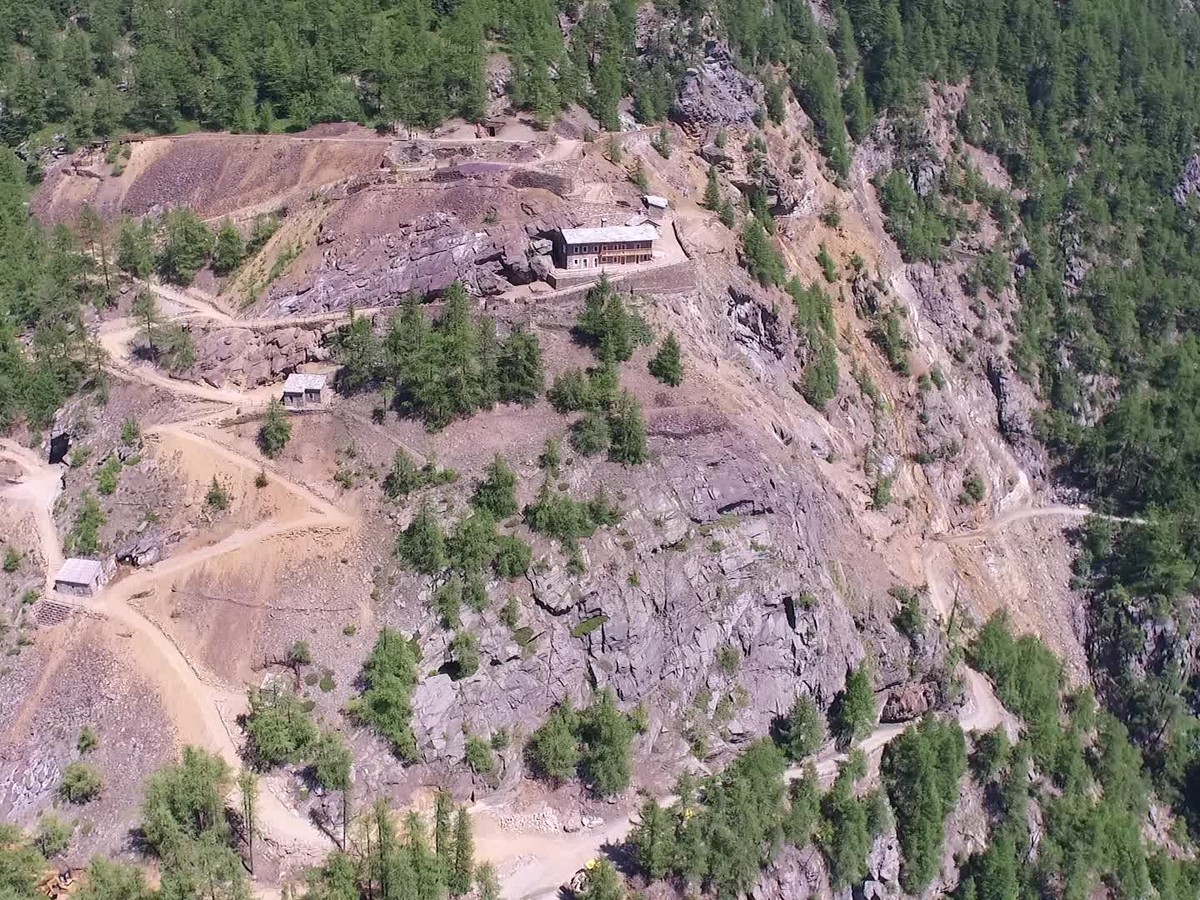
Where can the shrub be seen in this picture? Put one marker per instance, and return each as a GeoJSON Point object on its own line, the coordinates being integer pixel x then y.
{"type": "Point", "coordinates": [447, 600]}
{"type": "Point", "coordinates": [87, 741]}
{"type": "Point", "coordinates": [908, 619]}
{"type": "Point", "coordinates": [217, 497]}
{"type": "Point", "coordinates": [827, 264]}
{"type": "Point", "coordinates": [385, 704]}
{"type": "Point", "coordinates": [12, 560]}
{"type": "Point", "coordinates": [276, 430]}
{"type": "Point", "coordinates": [81, 783]}
{"type": "Point", "coordinates": [974, 489]}
{"type": "Point", "coordinates": [479, 756]}
{"type": "Point", "coordinates": [497, 493]}
{"type": "Point", "coordinates": [84, 536]}
{"type": "Point", "coordinates": [464, 650]}
{"type": "Point", "coordinates": [728, 658]}
{"type": "Point", "coordinates": [52, 838]}
{"type": "Point", "coordinates": [278, 728]}
{"type": "Point", "coordinates": [130, 432]}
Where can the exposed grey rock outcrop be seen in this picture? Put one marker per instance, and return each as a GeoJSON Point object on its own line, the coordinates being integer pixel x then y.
{"type": "Point", "coordinates": [1189, 182]}
{"type": "Point", "coordinates": [716, 93]}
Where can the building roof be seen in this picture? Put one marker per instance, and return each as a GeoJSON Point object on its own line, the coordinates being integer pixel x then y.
{"type": "Point", "coordinates": [611, 234]}
{"type": "Point", "coordinates": [79, 571]}
{"type": "Point", "coordinates": [298, 383]}
{"type": "Point", "coordinates": [656, 201]}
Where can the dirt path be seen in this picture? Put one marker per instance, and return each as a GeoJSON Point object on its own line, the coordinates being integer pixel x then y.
{"type": "Point", "coordinates": [198, 705]}
{"type": "Point", "coordinates": [38, 491]}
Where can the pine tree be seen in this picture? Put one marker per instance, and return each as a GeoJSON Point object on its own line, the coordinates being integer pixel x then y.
{"type": "Point", "coordinates": [422, 544]}
{"type": "Point", "coordinates": [443, 835]}
{"type": "Point", "coordinates": [520, 377]}
{"type": "Point", "coordinates": [666, 365]}
{"type": "Point", "coordinates": [801, 731]}
{"type": "Point", "coordinates": [712, 191]}
{"type": "Point", "coordinates": [627, 430]}
{"type": "Point", "coordinates": [135, 254]}
{"type": "Point", "coordinates": [856, 707]}
{"type": "Point", "coordinates": [229, 249]}
{"type": "Point", "coordinates": [146, 312]}
{"type": "Point", "coordinates": [654, 839]}
{"type": "Point", "coordinates": [248, 790]}
{"type": "Point", "coordinates": [463, 866]}
{"type": "Point", "coordinates": [186, 246]}
{"type": "Point", "coordinates": [603, 882]}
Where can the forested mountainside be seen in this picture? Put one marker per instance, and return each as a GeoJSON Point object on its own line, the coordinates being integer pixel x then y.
{"type": "Point", "coordinates": [1090, 108]}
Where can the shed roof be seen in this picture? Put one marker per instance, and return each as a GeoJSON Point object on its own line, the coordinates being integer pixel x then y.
{"type": "Point", "coordinates": [79, 571]}
{"type": "Point", "coordinates": [298, 383]}
{"type": "Point", "coordinates": [656, 201]}
{"type": "Point", "coordinates": [610, 234]}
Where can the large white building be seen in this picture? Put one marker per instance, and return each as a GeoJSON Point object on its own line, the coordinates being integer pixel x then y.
{"type": "Point", "coordinates": [597, 248]}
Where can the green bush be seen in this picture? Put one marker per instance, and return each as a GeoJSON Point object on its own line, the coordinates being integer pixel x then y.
{"type": "Point", "coordinates": [276, 430]}
{"type": "Point", "coordinates": [464, 650]}
{"type": "Point", "coordinates": [217, 497]}
{"type": "Point", "coordinates": [108, 475]}
{"type": "Point", "coordinates": [568, 520]}
{"type": "Point", "coordinates": [497, 493]}
{"type": "Point", "coordinates": [385, 704]}
{"type": "Point", "coordinates": [278, 728]}
{"type": "Point", "coordinates": [479, 756]}
{"type": "Point", "coordinates": [12, 560]}
{"type": "Point", "coordinates": [815, 323]}
{"type": "Point", "coordinates": [81, 783]}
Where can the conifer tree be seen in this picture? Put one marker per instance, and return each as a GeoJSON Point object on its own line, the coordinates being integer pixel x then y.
{"type": "Point", "coordinates": [463, 865]}
{"type": "Point", "coordinates": [666, 364]}
{"type": "Point", "coordinates": [627, 430]}
{"type": "Point", "coordinates": [712, 191]}
{"type": "Point", "coordinates": [422, 544]}
{"type": "Point", "coordinates": [229, 249]}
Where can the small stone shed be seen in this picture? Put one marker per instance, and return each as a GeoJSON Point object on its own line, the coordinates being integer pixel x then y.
{"type": "Point", "coordinates": [304, 391]}
{"type": "Point", "coordinates": [80, 577]}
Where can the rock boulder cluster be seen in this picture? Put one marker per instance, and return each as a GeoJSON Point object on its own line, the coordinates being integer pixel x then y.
{"type": "Point", "coordinates": [245, 358]}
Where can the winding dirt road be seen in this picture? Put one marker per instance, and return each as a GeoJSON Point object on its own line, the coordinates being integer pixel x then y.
{"type": "Point", "coordinates": [201, 707]}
